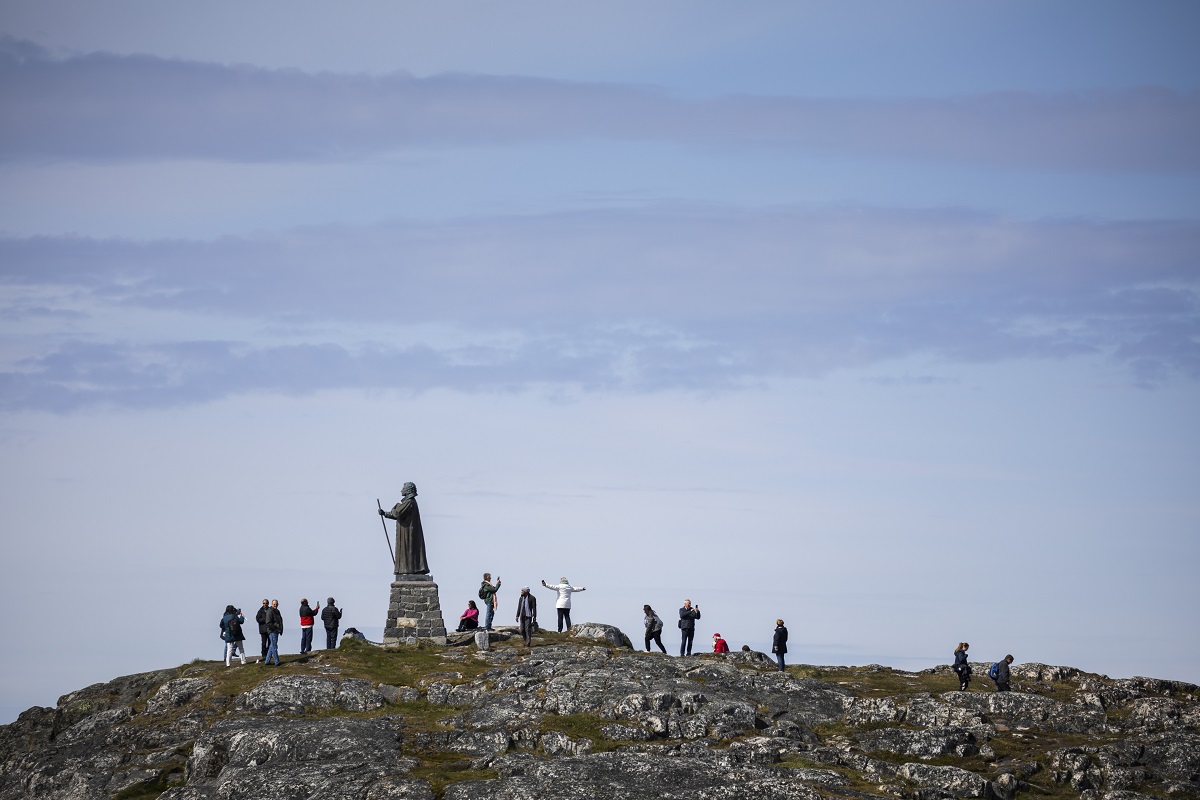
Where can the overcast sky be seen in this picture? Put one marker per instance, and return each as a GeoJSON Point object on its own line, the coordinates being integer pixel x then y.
{"type": "Point", "coordinates": [880, 318]}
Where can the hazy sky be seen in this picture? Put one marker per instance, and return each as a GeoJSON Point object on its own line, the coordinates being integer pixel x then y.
{"type": "Point", "coordinates": [881, 318]}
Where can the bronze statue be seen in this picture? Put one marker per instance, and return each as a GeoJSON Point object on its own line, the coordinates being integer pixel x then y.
{"type": "Point", "coordinates": [410, 538]}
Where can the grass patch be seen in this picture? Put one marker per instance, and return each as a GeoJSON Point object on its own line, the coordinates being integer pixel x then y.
{"type": "Point", "coordinates": [585, 726]}
{"type": "Point", "coordinates": [152, 789]}
{"type": "Point", "coordinates": [875, 682]}
{"type": "Point", "coordinates": [443, 769]}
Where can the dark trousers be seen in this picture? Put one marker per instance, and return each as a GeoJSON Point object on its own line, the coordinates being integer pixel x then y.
{"type": "Point", "coordinates": [564, 614]}
{"type": "Point", "coordinates": [686, 642]}
{"type": "Point", "coordinates": [331, 638]}
{"type": "Point", "coordinates": [655, 637]}
{"type": "Point", "coordinates": [305, 639]}
{"type": "Point", "coordinates": [526, 629]}
{"type": "Point", "coordinates": [1003, 687]}
{"type": "Point", "coordinates": [266, 637]}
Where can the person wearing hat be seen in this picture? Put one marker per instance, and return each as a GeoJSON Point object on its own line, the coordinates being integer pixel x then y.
{"type": "Point", "coordinates": [526, 614]}
{"type": "Point", "coordinates": [565, 590]}
{"type": "Point", "coordinates": [331, 617]}
{"type": "Point", "coordinates": [719, 644]}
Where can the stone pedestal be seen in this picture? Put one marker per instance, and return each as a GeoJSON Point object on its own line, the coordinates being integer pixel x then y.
{"type": "Point", "coordinates": [414, 611]}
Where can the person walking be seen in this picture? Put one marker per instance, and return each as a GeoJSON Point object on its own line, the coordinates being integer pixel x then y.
{"type": "Point", "coordinates": [469, 619]}
{"type": "Point", "coordinates": [687, 626]}
{"type": "Point", "coordinates": [1001, 674]}
{"type": "Point", "coordinates": [654, 626]}
{"type": "Point", "coordinates": [274, 631]}
{"type": "Point", "coordinates": [526, 614]}
{"type": "Point", "coordinates": [565, 590]}
{"type": "Point", "coordinates": [719, 644]}
{"type": "Point", "coordinates": [231, 632]}
{"type": "Point", "coordinates": [331, 616]}
{"type": "Point", "coordinates": [487, 593]}
{"type": "Point", "coordinates": [261, 619]}
{"type": "Point", "coordinates": [961, 668]}
{"type": "Point", "coordinates": [306, 624]}
{"type": "Point", "coordinates": [779, 643]}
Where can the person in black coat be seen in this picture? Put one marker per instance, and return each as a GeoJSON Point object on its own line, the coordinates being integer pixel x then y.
{"type": "Point", "coordinates": [261, 619]}
{"type": "Point", "coordinates": [1003, 675]}
{"type": "Point", "coordinates": [331, 616]}
{"type": "Point", "coordinates": [779, 642]}
{"type": "Point", "coordinates": [961, 668]}
{"type": "Point", "coordinates": [687, 626]}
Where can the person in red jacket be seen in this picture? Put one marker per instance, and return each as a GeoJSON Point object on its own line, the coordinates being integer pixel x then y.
{"type": "Point", "coordinates": [306, 624]}
{"type": "Point", "coordinates": [719, 644]}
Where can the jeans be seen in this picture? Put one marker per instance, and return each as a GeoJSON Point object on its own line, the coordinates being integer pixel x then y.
{"type": "Point", "coordinates": [779, 658]}
{"type": "Point", "coordinates": [564, 614]}
{"type": "Point", "coordinates": [487, 617]}
{"type": "Point", "coordinates": [273, 647]}
{"type": "Point", "coordinates": [686, 641]}
{"type": "Point", "coordinates": [331, 642]}
{"type": "Point", "coordinates": [655, 637]}
{"type": "Point", "coordinates": [305, 639]}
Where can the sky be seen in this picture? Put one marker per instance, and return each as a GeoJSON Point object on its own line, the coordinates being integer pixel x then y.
{"type": "Point", "coordinates": [880, 318]}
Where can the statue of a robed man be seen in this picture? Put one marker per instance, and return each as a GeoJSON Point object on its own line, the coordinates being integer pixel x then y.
{"type": "Point", "coordinates": [410, 538]}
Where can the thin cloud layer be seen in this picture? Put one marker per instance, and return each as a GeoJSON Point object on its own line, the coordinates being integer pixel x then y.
{"type": "Point", "coordinates": [603, 301]}
{"type": "Point", "coordinates": [103, 106]}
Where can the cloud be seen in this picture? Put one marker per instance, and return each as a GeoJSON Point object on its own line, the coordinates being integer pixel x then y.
{"type": "Point", "coordinates": [103, 106]}
{"type": "Point", "coordinates": [662, 298]}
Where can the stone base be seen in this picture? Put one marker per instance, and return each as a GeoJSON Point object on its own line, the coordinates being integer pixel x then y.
{"type": "Point", "coordinates": [414, 611]}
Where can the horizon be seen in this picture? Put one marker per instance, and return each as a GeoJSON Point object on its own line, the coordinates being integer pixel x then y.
{"type": "Point", "coordinates": [883, 320]}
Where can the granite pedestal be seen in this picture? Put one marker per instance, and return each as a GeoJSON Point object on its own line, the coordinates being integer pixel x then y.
{"type": "Point", "coordinates": [414, 611]}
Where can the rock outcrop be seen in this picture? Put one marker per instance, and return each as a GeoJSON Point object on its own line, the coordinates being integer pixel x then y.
{"type": "Point", "coordinates": [584, 716]}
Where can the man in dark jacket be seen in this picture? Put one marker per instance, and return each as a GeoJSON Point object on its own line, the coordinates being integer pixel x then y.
{"type": "Point", "coordinates": [331, 616]}
{"type": "Point", "coordinates": [274, 631]}
{"type": "Point", "coordinates": [1003, 674]}
{"type": "Point", "coordinates": [261, 619]}
{"type": "Point", "coordinates": [526, 614]}
{"type": "Point", "coordinates": [687, 626]}
{"type": "Point", "coordinates": [779, 642]}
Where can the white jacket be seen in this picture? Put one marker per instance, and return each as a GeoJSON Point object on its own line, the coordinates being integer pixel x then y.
{"type": "Point", "coordinates": [564, 593]}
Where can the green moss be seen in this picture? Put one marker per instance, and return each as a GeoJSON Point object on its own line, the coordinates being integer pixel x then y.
{"type": "Point", "coordinates": [443, 769]}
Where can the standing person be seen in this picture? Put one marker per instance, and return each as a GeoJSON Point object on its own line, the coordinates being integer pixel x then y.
{"type": "Point", "coordinates": [719, 644]}
{"type": "Point", "coordinates": [306, 624]}
{"type": "Point", "coordinates": [469, 620]}
{"type": "Point", "coordinates": [487, 593]}
{"type": "Point", "coordinates": [261, 619]}
{"type": "Point", "coordinates": [654, 626]}
{"type": "Point", "coordinates": [779, 642]}
{"type": "Point", "coordinates": [565, 590]}
{"type": "Point", "coordinates": [687, 626]}
{"type": "Point", "coordinates": [274, 631]}
{"type": "Point", "coordinates": [961, 668]}
{"type": "Point", "coordinates": [331, 616]}
{"type": "Point", "coordinates": [1001, 674]}
{"type": "Point", "coordinates": [231, 626]}
{"type": "Point", "coordinates": [526, 614]}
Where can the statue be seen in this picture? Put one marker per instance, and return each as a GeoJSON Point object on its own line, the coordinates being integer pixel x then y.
{"type": "Point", "coordinates": [410, 538]}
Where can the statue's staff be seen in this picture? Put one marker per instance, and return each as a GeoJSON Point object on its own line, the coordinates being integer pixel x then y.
{"type": "Point", "coordinates": [391, 552]}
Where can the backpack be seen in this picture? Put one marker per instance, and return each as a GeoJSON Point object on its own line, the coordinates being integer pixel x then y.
{"type": "Point", "coordinates": [483, 593]}
{"type": "Point", "coordinates": [234, 628]}
{"type": "Point", "coordinates": [994, 671]}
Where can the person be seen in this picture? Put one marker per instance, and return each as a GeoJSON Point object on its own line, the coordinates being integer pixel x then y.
{"type": "Point", "coordinates": [745, 648]}
{"type": "Point", "coordinates": [565, 590]}
{"type": "Point", "coordinates": [961, 668]}
{"type": "Point", "coordinates": [526, 614]}
{"type": "Point", "coordinates": [354, 633]}
{"type": "Point", "coordinates": [231, 632]}
{"type": "Point", "coordinates": [487, 593]}
{"type": "Point", "coordinates": [1003, 674]}
{"type": "Point", "coordinates": [469, 620]}
{"type": "Point", "coordinates": [274, 631]}
{"type": "Point", "coordinates": [331, 616]}
{"type": "Point", "coordinates": [779, 642]}
{"type": "Point", "coordinates": [261, 619]}
{"type": "Point", "coordinates": [687, 626]}
{"type": "Point", "coordinates": [306, 624]}
{"type": "Point", "coordinates": [410, 536]}
{"type": "Point", "coordinates": [719, 644]}
{"type": "Point", "coordinates": [654, 626]}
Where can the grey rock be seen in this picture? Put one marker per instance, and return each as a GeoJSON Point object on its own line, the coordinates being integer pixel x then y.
{"type": "Point", "coordinates": [293, 694]}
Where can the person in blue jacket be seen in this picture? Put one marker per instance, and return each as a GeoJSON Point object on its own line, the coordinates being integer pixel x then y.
{"type": "Point", "coordinates": [961, 668]}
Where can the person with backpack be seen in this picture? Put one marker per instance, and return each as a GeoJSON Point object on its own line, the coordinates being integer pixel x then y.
{"type": "Point", "coordinates": [654, 626]}
{"type": "Point", "coordinates": [961, 668]}
{"type": "Point", "coordinates": [331, 616]}
{"type": "Point", "coordinates": [1001, 674]}
{"type": "Point", "coordinates": [487, 593]}
{"type": "Point", "coordinates": [231, 634]}
{"type": "Point", "coordinates": [306, 624]}
{"type": "Point", "coordinates": [274, 631]}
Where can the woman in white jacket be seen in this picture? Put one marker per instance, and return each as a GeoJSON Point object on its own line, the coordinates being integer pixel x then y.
{"type": "Point", "coordinates": [564, 589]}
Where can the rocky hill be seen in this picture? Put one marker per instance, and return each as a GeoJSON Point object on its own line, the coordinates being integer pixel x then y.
{"type": "Point", "coordinates": [583, 716]}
